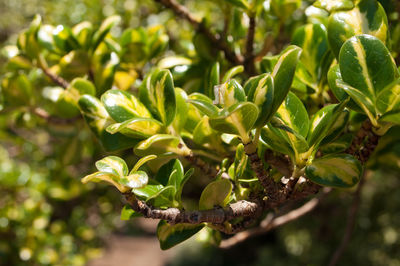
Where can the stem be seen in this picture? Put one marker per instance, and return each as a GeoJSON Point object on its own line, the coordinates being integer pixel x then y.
{"type": "Point", "coordinates": [249, 56]}
{"type": "Point", "coordinates": [215, 216]}
{"type": "Point", "coordinates": [42, 64]}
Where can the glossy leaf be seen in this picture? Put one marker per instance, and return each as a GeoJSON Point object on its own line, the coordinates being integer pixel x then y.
{"type": "Point", "coordinates": [229, 93]}
{"type": "Point", "coordinates": [215, 194]}
{"type": "Point", "coordinates": [157, 93]}
{"type": "Point", "coordinates": [181, 109]}
{"type": "Point", "coordinates": [213, 79]}
{"type": "Point", "coordinates": [389, 98]}
{"type": "Point", "coordinates": [313, 40]}
{"type": "Point", "coordinates": [123, 106]}
{"type": "Point", "coordinates": [335, 76]}
{"type": "Point", "coordinates": [260, 91]}
{"type": "Point", "coordinates": [240, 162]}
{"type": "Point", "coordinates": [323, 122]}
{"type": "Point", "coordinates": [138, 179]}
{"type": "Point", "coordinates": [206, 107]}
{"type": "Point", "coordinates": [339, 171]}
{"type": "Point", "coordinates": [137, 127]}
{"type": "Point", "coordinates": [366, 64]}
{"type": "Point", "coordinates": [104, 29]}
{"type": "Point", "coordinates": [98, 120]}
{"type": "Point", "coordinates": [142, 161]}
{"type": "Point", "coordinates": [283, 74]}
{"type": "Point", "coordinates": [237, 119]}
{"type": "Point", "coordinates": [334, 5]}
{"type": "Point", "coordinates": [158, 144]}
{"type": "Point", "coordinates": [232, 72]}
{"type": "Point", "coordinates": [368, 17]}
{"type": "Point", "coordinates": [113, 165]}
{"type": "Point", "coordinates": [171, 235]}
{"type": "Point", "coordinates": [170, 173]}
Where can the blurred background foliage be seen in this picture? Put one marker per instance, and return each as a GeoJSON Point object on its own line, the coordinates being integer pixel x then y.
{"type": "Point", "coordinates": [48, 217]}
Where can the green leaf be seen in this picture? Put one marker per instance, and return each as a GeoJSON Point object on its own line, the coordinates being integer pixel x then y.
{"type": "Point", "coordinates": [260, 91]}
{"type": "Point", "coordinates": [389, 98]}
{"type": "Point", "coordinates": [138, 179]}
{"type": "Point", "coordinates": [283, 74]}
{"type": "Point", "coordinates": [106, 177]}
{"type": "Point", "coordinates": [128, 213]}
{"type": "Point", "coordinates": [173, 61]}
{"type": "Point", "coordinates": [163, 198]}
{"type": "Point", "coordinates": [275, 139]}
{"type": "Point", "coordinates": [104, 29]}
{"type": "Point", "coordinates": [229, 93]}
{"type": "Point", "coordinates": [17, 90]}
{"type": "Point", "coordinates": [213, 79]}
{"type": "Point", "coordinates": [366, 65]}
{"type": "Point", "coordinates": [98, 120]}
{"type": "Point", "coordinates": [368, 17]}
{"type": "Point", "coordinates": [325, 121]}
{"type": "Point", "coordinates": [340, 144]}
{"type": "Point", "coordinates": [240, 162]}
{"type": "Point", "coordinates": [232, 72]}
{"type": "Point", "coordinates": [137, 127]}
{"type": "Point", "coordinates": [391, 117]}
{"type": "Point", "coordinates": [157, 93]}
{"type": "Point", "coordinates": [337, 127]}
{"type": "Point", "coordinates": [294, 114]}
{"type": "Point", "coordinates": [170, 173]}
{"type": "Point", "coordinates": [237, 119]}
{"type": "Point", "coordinates": [158, 144]}
{"type": "Point", "coordinates": [123, 106]}
{"type": "Point", "coordinates": [186, 177]}
{"type": "Point", "coordinates": [182, 109]}
{"type": "Point", "coordinates": [209, 109]}
{"type": "Point", "coordinates": [203, 133]}
{"type": "Point", "coordinates": [313, 39]}
{"type": "Point", "coordinates": [171, 235]}
{"type": "Point", "coordinates": [335, 76]}
{"type": "Point", "coordinates": [83, 33]}
{"type": "Point", "coordinates": [360, 99]}
{"type": "Point", "coordinates": [142, 161]}
{"type": "Point", "coordinates": [341, 171]}
{"type": "Point", "coordinates": [334, 5]}
{"type": "Point", "coordinates": [217, 193]}
{"type": "Point", "coordinates": [151, 189]}
{"type": "Point", "coordinates": [113, 165]}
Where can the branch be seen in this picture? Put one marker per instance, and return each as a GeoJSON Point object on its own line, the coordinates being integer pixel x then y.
{"type": "Point", "coordinates": [269, 224]}
{"type": "Point", "coordinates": [56, 79]}
{"type": "Point", "coordinates": [221, 44]}
{"type": "Point", "coordinates": [52, 119]}
{"type": "Point", "coordinates": [215, 216]}
{"type": "Point", "coordinates": [272, 188]}
{"type": "Point", "coordinates": [364, 144]}
{"type": "Point", "coordinates": [249, 56]}
{"type": "Point", "coordinates": [351, 219]}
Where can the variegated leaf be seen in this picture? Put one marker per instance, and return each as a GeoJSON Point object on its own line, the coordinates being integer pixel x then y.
{"type": "Point", "coordinates": [368, 17]}
{"type": "Point", "coordinates": [334, 5]}
{"type": "Point", "coordinates": [237, 119]}
{"type": "Point", "coordinates": [113, 165]}
{"type": "Point", "coordinates": [137, 127]}
{"type": "Point", "coordinates": [389, 98]}
{"type": "Point", "coordinates": [98, 120]}
{"type": "Point", "coordinates": [229, 93]}
{"type": "Point", "coordinates": [260, 91]}
{"type": "Point", "coordinates": [315, 56]}
{"type": "Point", "coordinates": [282, 74]}
{"type": "Point", "coordinates": [157, 93]}
{"type": "Point", "coordinates": [158, 144]}
{"type": "Point", "coordinates": [341, 171]}
{"type": "Point", "coordinates": [171, 235]}
{"type": "Point", "coordinates": [123, 106]}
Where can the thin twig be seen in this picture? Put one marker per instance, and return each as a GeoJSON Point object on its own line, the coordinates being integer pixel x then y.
{"type": "Point", "coordinates": [205, 167]}
{"type": "Point", "coordinates": [249, 56]}
{"type": "Point", "coordinates": [351, 219]}
{"type": "Point", "coordinates": [220, 43]}
{"type": "Point", "coordinates": [269, 224]}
